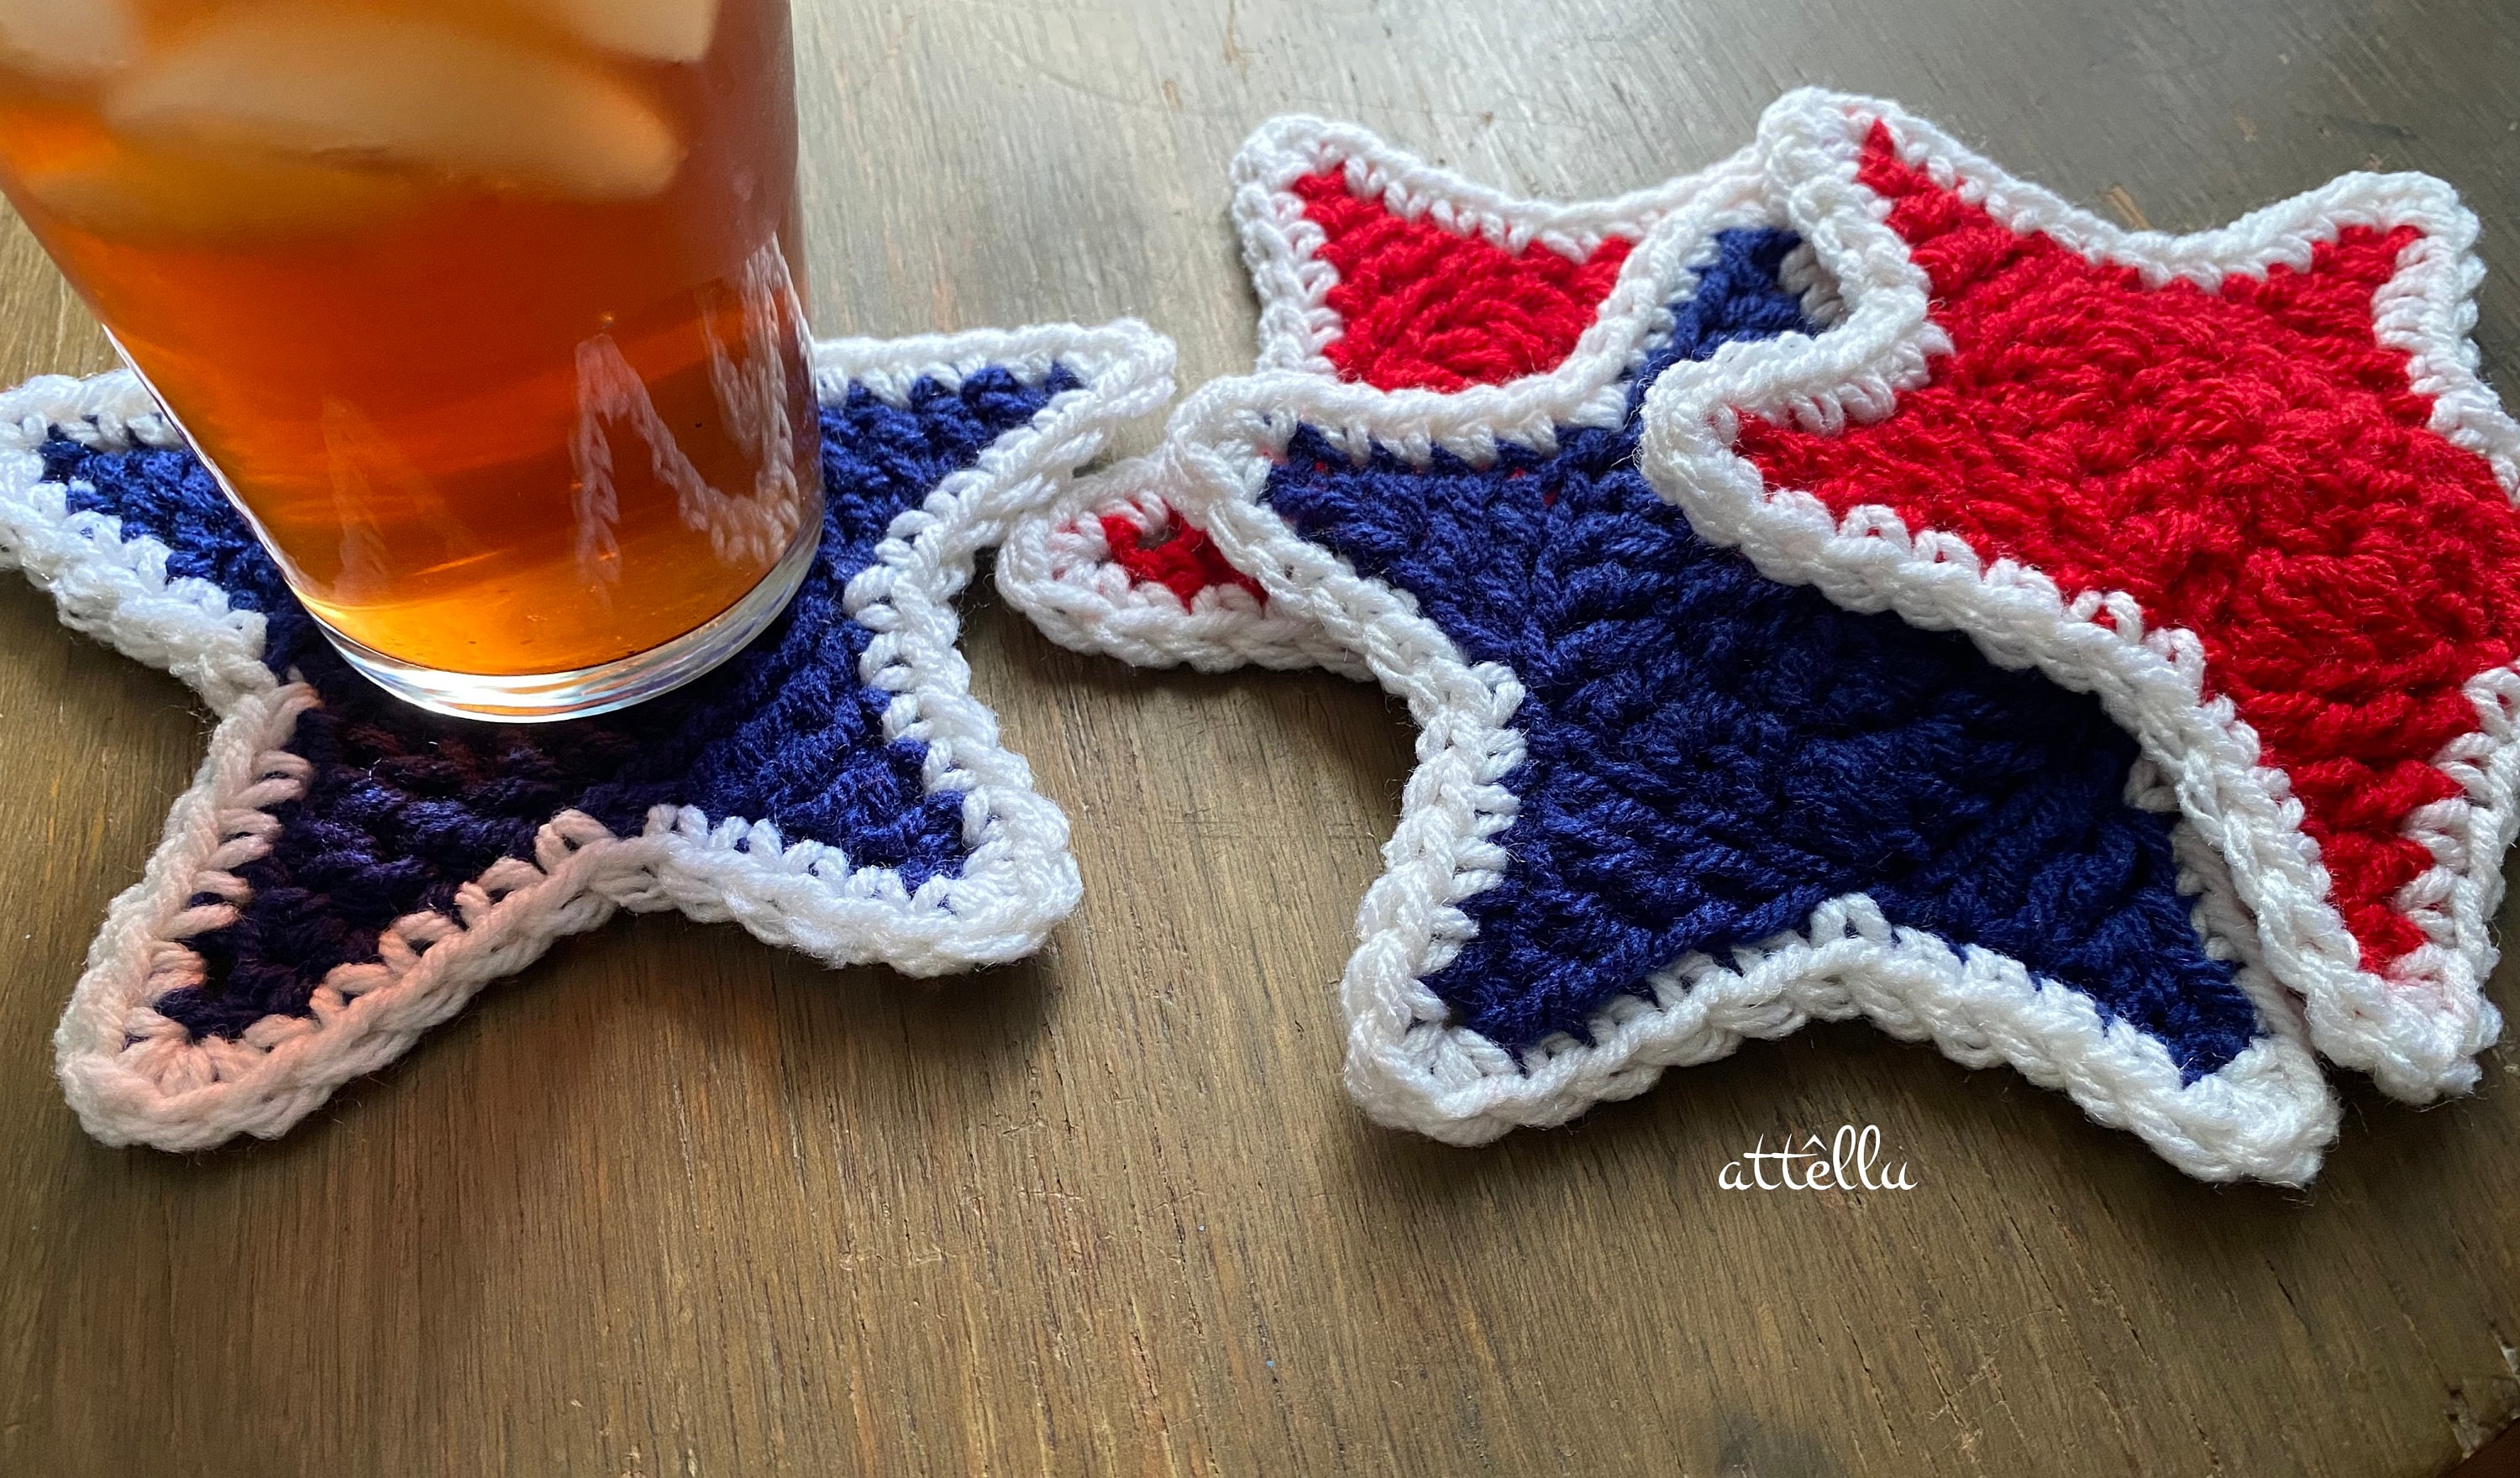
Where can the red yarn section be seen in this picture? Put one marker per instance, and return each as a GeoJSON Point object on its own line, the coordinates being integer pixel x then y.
{"type": "Point", "coordinates": [1424, 308]}
{"type": "Point", "coordinates": [2250, 464]}
{"type": "Point", "coordinates": [1184, 561]}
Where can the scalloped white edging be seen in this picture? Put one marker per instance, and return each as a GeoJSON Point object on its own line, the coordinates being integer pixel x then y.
{"type": "Point", "coordinates": [2266, 1115]}
{"type": "Point", "coordinates": [2418, 1028]}
{"type": "Point", "coordinates": [136, 1077]}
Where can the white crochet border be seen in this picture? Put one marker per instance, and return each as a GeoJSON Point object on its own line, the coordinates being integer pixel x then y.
{"type": "Point", "coordinates": [1281, 244]}
{"type": "Point", "coordinates": [136, 1077]}
{"type": "Point", "coordinates": [2266, 1115]}
{"type": "Point", "coordinates": [2419, 1030]}
{"type": "Point", "coordinates": [1057, 566]}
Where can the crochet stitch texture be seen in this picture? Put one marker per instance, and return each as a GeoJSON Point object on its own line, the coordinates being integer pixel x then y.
{"type": "Point", "coordinates": [1709, 756]}
{"type": "Point", "coordinates": [2249, 464]}
{"type": "Point", "coordinates": [1663, 803]}
{"type": "Point", "coordinates": [2244, 485]}
{"type": "Point", "coordinates": [402, 808]}
{"type": "Point", "coordinates": [1424, 307]}
{"type": "Point", "coordinates": [350, 870]}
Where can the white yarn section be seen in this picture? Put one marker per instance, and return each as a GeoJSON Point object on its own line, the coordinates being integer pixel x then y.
{"type": "Point", "coordinates": [2415, 1025]}
{"type": "Point", "coordinates": [1056, 565]}
{"type": "Point", "coordinates": [114, 590]}
{"type": "Point", "coordinates": [136, 1077]}
{"type": "Point", "coordinates": [2266, 1116]}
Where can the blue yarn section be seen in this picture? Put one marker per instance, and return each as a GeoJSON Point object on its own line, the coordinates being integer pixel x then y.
{"type": "Point", "coordinates": [404, 807]}
{"type": "Point", "coordinates": [1711, 754]}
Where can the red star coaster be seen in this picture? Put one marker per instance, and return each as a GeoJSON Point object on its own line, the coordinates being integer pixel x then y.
{"type": "Point", "coordinates": [2245, 486]}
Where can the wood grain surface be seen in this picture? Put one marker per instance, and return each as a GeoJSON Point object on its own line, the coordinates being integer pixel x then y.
{"type": "Point", "coordinates": [672, 1203]}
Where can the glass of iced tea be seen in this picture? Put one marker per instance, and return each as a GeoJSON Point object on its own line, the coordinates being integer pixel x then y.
{"type": "Point", "coordinates": [484, 312]}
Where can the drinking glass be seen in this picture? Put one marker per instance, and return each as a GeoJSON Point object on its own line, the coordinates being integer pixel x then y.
{"type": "Point", "coordinates": [484, 312]}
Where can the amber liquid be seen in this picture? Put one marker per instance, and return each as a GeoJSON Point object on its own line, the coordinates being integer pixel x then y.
{"type": "Point", "coordinates": [483, 310]}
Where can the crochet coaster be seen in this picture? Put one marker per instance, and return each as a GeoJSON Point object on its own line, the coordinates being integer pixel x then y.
{"type": "Point", "coordinates": [2246, 487]}
{"type": "Point", "coordinates": [1663, 802]}
{"type": "Point", "coordinates": [346, 871]}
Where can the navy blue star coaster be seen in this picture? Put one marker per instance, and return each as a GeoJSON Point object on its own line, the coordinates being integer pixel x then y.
{"type": "Point", "coordinates": [1662, 803]}
{"type": "Point", "coordinates": [347, 872]}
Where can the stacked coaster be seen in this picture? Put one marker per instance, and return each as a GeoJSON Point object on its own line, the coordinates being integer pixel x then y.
{"type": "Point", "coordinates": [1851, 582]}
{"type": "Point", "coordinates": [346, 871]}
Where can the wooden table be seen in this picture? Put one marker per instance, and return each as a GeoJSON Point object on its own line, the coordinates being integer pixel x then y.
{"type": "Point", "coordinates": [672, 1203]}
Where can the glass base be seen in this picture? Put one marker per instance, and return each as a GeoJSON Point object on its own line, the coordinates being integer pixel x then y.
{"type": "Point", "coordinates": [547, 697]}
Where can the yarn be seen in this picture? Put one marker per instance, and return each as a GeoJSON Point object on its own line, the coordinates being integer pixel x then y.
{"type": "Point", "coordinates": [1663, 803]}
{"type": "Point", "coordinates": [347, 871]}
{"type": "Point", "coordinates": [404, 807]}
{"type": "Point", "coordinates": [1371, 267]}
{"type": "Point", "coordinates": [1182, 558]}
{"type": "Point", "coordinates": [1427, 308]}
{"type": "Point", "coordinates": [1419, 306]}
{"type": "Point", "coordinates": [1711, 755]}
{"type": "Point", "coordinates": [2245, 486]}
{"type": "Point", "coordinates": [2249, 464]}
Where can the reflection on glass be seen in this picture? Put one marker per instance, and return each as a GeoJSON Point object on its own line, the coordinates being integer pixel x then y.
{"type": "Point", "coordinates": [484, 310]}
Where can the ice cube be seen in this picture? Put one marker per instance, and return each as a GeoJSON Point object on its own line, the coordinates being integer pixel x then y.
{"type": "Point", "coordinates": [138, 194]}
{"type": "Point", "coordinates": [68, 39]}
{"type": "Point", "coordinates": [654, 30]}
{"type": "Point", "coordinates": [316, 80]}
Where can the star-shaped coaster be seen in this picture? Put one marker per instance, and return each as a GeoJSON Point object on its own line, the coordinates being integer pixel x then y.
{"type": "Point", "coordinates": [347, 872]}
{"type": "Point", "coordinates": [1663, 803]}
{"type": "Point", "coordinates": [2246, 487]}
